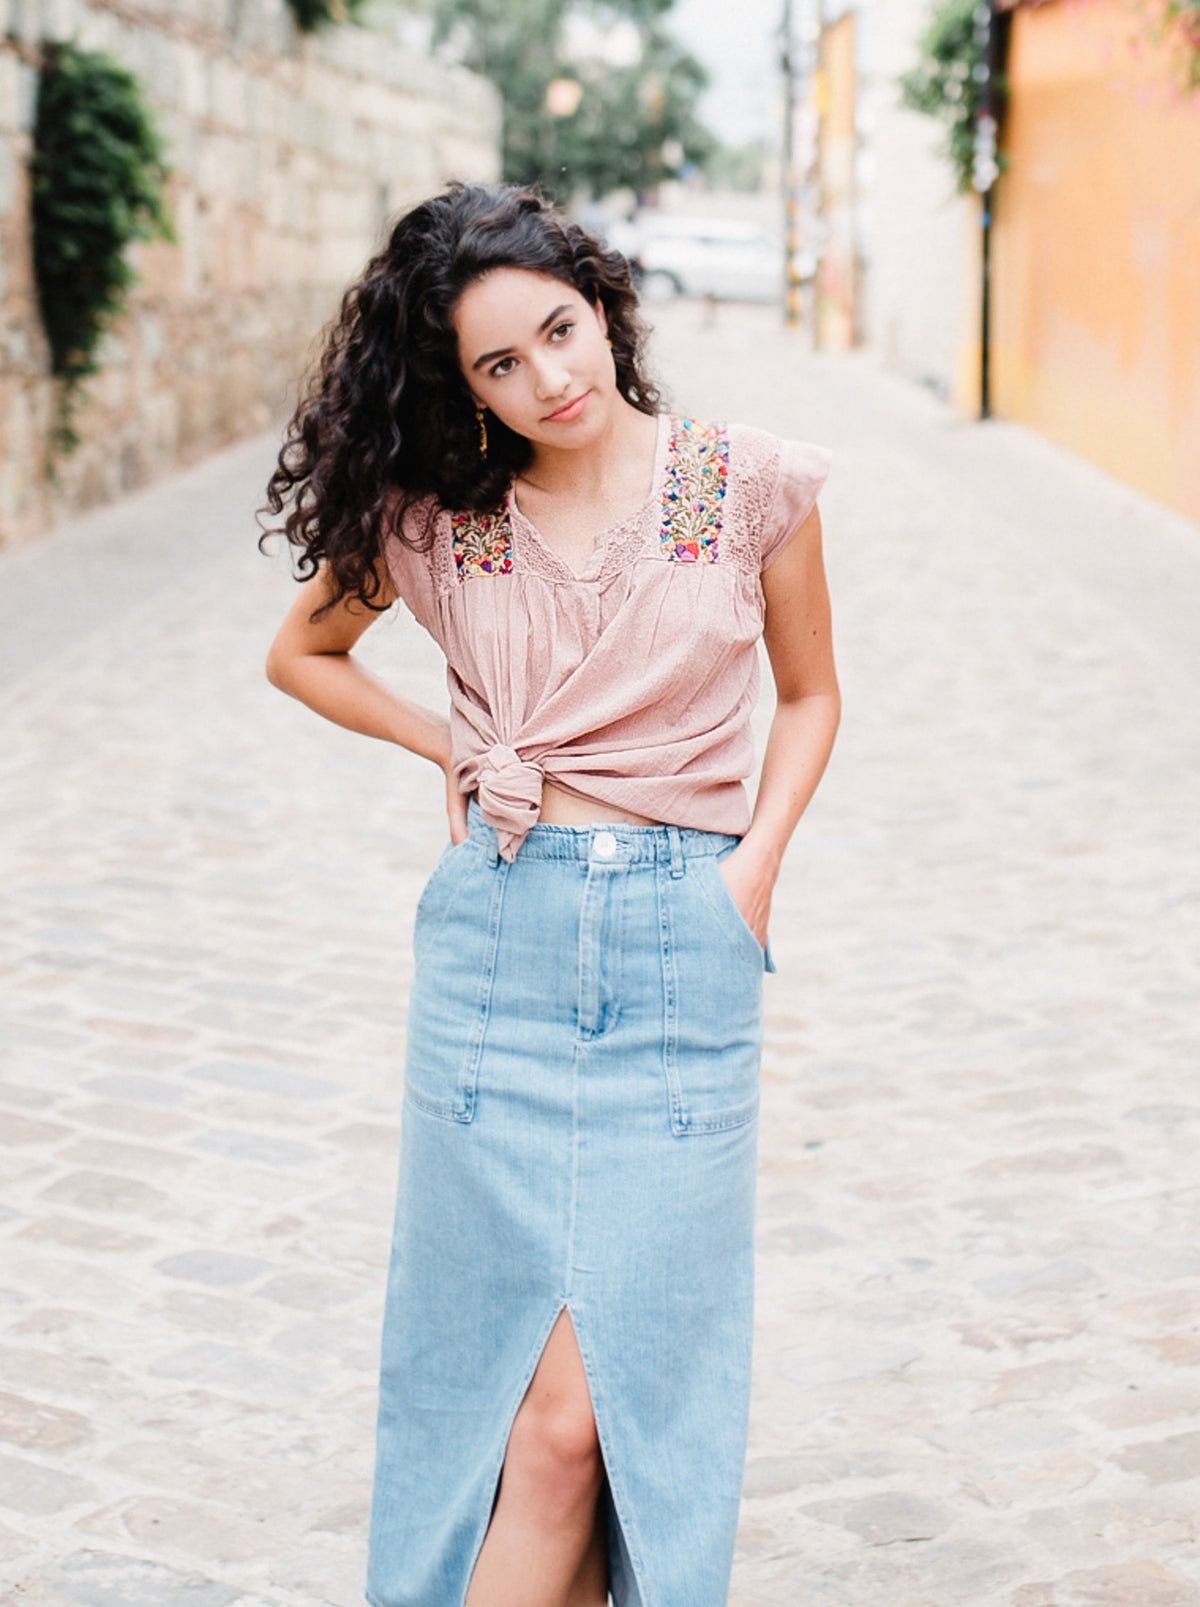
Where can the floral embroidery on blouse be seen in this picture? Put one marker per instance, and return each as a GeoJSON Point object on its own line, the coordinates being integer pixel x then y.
{"type": "Point", "coordinates": [697, 475]}
{"type": "Point", "coordinates": [482, 543]}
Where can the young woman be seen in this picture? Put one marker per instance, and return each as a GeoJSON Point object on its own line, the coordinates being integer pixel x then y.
{"type": "Point", "coordinates": [566, 1344]}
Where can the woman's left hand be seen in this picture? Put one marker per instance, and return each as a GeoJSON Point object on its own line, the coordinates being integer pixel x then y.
{"type": "Point", "coordinates": [750, 877]}
{"type": "Point", "coordinates": [796, 631]}
{"type": "Point", "coordinates": [456, 809]}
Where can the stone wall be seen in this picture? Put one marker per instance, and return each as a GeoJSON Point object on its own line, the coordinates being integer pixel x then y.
{"type": "Point", "coordinates": [289, 154]}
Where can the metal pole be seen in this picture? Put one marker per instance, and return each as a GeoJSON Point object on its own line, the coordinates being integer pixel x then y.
{"type": "Point", "coordinates": [985, 343]}
{"type": "Point", "coordinates": [983, 179]}
{"type": "Point", "coordinates": [791, 285]}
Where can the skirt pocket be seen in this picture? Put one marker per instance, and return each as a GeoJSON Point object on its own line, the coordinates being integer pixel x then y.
{"type": "Point", "coordinates": [439, 890]}
{"type": "Point", "coordinates": [454, 952]}
{"type": "Point", "coordinates": [721, 900]}
{"type": "Point", "coordinates": [713, 977]}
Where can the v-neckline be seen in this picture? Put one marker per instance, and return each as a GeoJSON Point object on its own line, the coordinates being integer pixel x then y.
{"type": "Point", "coordinates": [591, 570]}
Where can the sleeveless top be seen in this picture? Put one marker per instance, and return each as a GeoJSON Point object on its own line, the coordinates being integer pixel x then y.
{"type": "Point", "coordinates": [633, 681]}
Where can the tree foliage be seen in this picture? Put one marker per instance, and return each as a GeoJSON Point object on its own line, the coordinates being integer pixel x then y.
{"type": "Point", "coordinates": [634, 125]}
{"type": "Point", "coordinates": [948, 82]}
{"type": "Point", "coordinates": [98, 172]}
{"type": "Point", "coordinates": [312, 15]}
{"type": "Point", "coordinates": [1181, 25]}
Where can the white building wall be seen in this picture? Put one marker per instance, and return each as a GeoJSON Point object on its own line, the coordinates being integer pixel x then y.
{"type": "Point", "coordinates": [916, 284]}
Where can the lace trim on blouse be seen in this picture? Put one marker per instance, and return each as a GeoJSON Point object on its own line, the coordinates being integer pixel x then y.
{"type": "Point", "coordinates": [753, 482]}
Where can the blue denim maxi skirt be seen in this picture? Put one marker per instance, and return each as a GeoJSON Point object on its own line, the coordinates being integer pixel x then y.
{"type": "Point", "coordinates": [579, 1129]}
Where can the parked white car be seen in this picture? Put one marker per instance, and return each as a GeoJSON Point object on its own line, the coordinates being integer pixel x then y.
{"type": "Point", "coordinates": [697, 256]}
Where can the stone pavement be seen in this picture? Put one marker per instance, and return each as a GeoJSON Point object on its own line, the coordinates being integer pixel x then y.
{"type": "Point", "coordinates": [978, 1362]}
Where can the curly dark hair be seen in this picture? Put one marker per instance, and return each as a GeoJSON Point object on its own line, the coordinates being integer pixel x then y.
{"type": "Point", "coordinates": [387, 408]}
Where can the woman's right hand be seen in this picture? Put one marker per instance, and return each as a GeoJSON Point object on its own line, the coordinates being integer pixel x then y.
{"type": "Point", "coordinates": [310, 659]}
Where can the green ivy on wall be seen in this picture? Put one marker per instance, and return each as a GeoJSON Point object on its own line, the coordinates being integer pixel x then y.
{"type": "Point", "coordinates": [1181, 25]}
{"type": "Point", "coordinates": [946, 82]}
{"type": "Point", "coordinates": [313, 14]}
{"type": "Point", "coordinates": [97, 181]}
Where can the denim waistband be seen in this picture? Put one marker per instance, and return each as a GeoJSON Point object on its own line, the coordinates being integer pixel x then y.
{"type": "Point", "coordinates": [614, 841]}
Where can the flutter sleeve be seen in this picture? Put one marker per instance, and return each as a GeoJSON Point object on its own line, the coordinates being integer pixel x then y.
{"type": "Point", "coordinates": [411, 562]}
{"type": "Point", "coordinates": [803, 469]}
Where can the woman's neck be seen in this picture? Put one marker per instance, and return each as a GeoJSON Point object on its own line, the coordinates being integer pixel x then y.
{"type": "Point", "coordinates": [583, 473]}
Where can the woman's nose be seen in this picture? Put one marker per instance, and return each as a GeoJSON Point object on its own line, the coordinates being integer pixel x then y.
{"type": "Point", "coordinates": [551, 378]}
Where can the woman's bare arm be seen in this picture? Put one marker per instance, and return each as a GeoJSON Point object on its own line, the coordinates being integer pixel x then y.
{"type": "Point", "coordinates": [313, 663]}
{"type": "Point", "coordinates": [799, 641]}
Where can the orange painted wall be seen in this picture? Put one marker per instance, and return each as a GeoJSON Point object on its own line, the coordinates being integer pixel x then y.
{"type": "Point", "coordinates": [1096, 242]}
{"type": "Point", "coordinates": [837, 277]}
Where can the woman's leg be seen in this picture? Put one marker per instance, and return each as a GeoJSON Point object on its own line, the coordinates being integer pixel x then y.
{"type": "Point", "coordinates": [544, 1547]}
{"type": "Point", "coordinates": [590, 1586]}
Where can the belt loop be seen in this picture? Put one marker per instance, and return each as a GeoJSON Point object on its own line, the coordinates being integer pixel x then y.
{"type": "Point", "coordinates": [493, 846]}
{"type": "Point", "coordinates": [676, 850]}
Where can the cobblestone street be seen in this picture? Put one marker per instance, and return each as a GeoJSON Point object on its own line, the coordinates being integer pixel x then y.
{"type": "Point", "coordinates": [977, 1375]}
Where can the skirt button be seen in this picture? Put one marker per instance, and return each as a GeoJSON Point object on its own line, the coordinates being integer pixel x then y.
{"type": "Point", "coordinates": [604, 845]}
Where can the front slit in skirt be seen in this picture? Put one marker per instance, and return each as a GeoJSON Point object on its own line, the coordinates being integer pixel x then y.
{"type": "Point", "coordinates": [579, 1130]}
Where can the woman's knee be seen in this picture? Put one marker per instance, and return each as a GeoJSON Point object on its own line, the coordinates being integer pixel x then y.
{"type": "Point", "coordinates": [555, 1441]}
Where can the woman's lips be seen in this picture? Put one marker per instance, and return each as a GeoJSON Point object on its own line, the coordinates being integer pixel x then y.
{"type": "Point", "coordinates": [568, 411]}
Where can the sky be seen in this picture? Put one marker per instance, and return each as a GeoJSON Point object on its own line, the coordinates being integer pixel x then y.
{"type": "Point", "coordinates": [737, 40]}
{"type": "Point", "coordinates": [737, 43]}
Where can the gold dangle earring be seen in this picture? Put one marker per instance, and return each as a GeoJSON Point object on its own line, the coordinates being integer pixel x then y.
{"type": "Point", "coordinates": [482, 432]}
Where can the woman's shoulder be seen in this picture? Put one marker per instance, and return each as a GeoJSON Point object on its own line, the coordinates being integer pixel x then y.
{"type": "Point", "coordinates": [406, 514]}
{"type": "Point", "coordinates": [773, 481]}
{"type": "Point", "coordinates": [410, 539]}
{"type": "Point", "coordinates": [755, 441]}
{"type": "Point", "coordinates": [432, 546]}
{"type": "Point", "coordinates": [418, 529]}
{"type": "Point", "coordinates": [778, 460]}
{"type": "Point", "coordinates": [748, 449]}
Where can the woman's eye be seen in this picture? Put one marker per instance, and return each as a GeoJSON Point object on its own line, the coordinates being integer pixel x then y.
{"type": "Point", "coordinates": [505, 366]}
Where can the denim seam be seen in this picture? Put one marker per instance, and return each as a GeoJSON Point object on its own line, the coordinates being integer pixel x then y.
{"type": "Point", "coordinates": [587, 979]}
{"type": "Point", "coordinates": [735, 1116]}
{"type": "Point", "coordinates": [469, 1075]}
{"type": "Point", "coordinates": [616, 1483]}
{"type": "Point", "coordinates": [462, 1108]}
{"type": "Point", "coordinates": [569, 1268]}
{"type": "Point", "coordinates": [684, 1124]}
{"type": "Point", "coordinates": [675, 1109]}
{"type": "Point", "coordinates": [433, 1107]}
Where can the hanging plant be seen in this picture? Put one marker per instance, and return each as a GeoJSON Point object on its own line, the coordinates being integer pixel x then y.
{"type": "Point", "coordinates": [949, 81]}
{"type": "Point", "coordinates": [97, 181]}
{"type": "Point", "coordinates": [313, 14]}
{"type": "Point", "coordinates": [1181, 26]}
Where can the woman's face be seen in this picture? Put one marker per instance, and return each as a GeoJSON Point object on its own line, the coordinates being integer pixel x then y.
{"type": "Point", "coordinates": [534, 351]}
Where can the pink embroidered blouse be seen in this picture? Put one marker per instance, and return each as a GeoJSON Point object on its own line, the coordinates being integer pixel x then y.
{"type": "Point", "coordinates": [633, 681]}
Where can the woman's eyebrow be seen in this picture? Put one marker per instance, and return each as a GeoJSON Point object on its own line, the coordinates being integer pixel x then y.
{"type": "Point", "coordinates": [490, 357]}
